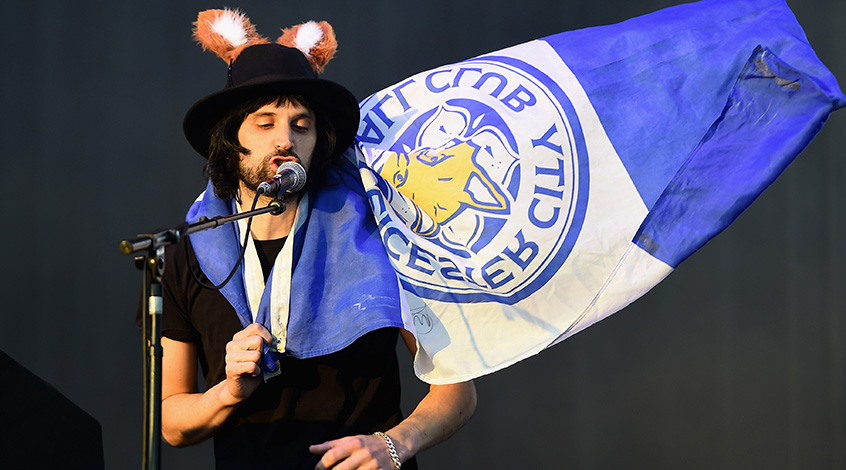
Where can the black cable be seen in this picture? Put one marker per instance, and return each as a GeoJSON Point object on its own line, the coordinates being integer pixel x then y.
{"type": "Point", "coordinates": [237, 263]}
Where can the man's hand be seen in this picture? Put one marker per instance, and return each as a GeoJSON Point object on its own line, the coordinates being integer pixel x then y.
{"type": "Point", "coordinates": [189, 417]}
{"type": "Point", "coordinates": [355, 452]}
{"type": "Point", "coordinates": [438, 415]}
{"type": "Point", "coordinates": [243, 353]}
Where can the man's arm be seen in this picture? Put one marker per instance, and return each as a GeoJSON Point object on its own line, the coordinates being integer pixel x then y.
{"type": "Point", "coordinates": [442, 412]}
{"type": "Point", "coordinates": [189, 417]}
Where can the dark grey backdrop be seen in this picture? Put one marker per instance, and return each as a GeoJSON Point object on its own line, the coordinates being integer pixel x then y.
{"type": "Point", "coordinates": [737, 360]}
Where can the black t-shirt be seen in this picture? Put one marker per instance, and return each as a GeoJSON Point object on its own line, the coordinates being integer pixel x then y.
{"type": "Point", "coordinates": [267, 251]}
{"type": "Point", "coordinates": [353, 391]}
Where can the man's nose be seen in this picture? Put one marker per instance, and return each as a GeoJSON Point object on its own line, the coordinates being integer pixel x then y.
{"type": "Point", "coordinates": [283, 140]}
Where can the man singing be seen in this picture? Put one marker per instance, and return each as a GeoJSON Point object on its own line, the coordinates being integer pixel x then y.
{"type": "Point", "coordinates": [300, 373]}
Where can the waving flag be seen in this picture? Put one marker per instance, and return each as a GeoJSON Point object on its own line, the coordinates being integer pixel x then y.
{"type": "Point", "coordinates": [525, 194]}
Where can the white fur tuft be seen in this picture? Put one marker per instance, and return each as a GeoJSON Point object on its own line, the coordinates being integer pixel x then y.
{"type": "Point", "coordinates": [308, 35]}
{"type": "Point", "coordinates": [230, 26]}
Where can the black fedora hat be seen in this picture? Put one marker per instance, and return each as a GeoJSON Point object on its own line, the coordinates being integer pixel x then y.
{"type": "Point", "coordinates": [272, 70]}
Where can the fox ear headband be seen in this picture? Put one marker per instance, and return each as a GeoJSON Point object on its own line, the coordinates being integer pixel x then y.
{"type": "Point", "coordinates": [228, 32]}
{"type": "Point", "coordinates": [258, 68]}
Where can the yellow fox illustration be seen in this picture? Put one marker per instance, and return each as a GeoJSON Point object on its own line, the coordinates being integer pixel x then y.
{"type": "Point", "coordinates": [443, 183]}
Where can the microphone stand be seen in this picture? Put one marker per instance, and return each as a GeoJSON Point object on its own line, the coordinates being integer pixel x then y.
{"type": "Point", "coordinates": [152, 262]}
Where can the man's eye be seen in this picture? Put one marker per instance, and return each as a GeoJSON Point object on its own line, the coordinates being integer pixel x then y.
{"type": "Point", "coordinates": [301, 126]}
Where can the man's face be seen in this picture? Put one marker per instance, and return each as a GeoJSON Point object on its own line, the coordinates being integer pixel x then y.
{"type": "Point", "coordinates": [275, 134]}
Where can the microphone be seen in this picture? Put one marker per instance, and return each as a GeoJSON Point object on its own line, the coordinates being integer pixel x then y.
{"type": "Point", "coordinates": [290, 177]}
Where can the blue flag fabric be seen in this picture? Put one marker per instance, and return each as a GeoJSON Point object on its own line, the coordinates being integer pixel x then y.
{"type": "Point", "coordinates": [496, 206]}
{"type": "Point", "coordinates": [343, 283]}
{"type": "Point", "coordinates": [525, 194]}
{"type": "Point", "coordinates": [712, 188]}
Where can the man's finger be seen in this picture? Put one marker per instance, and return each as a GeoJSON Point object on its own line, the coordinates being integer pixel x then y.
{"type": "Point", "coordinates": [318, 449]}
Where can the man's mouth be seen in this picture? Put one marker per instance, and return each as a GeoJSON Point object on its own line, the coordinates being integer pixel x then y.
{"type": "Point", "coordinates": [277, 161]}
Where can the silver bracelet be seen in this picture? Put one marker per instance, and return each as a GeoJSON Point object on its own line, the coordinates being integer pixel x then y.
{"type": "Point", "coordinates": [391, 449]}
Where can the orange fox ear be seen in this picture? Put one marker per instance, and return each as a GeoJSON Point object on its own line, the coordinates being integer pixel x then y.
{"type": "Point", "coordinates": [315, 40]}
{"type": "Point", "coordinates": [226, 33]}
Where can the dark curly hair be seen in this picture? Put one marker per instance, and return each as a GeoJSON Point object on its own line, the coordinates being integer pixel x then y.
{"type": "Point", "coordinates": [225, 150]}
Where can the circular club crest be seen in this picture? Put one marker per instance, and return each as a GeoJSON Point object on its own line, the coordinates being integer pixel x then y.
{"type": "Point", "coordinates": [482, 178]}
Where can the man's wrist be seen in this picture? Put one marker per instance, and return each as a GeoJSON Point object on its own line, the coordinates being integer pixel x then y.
{"type": "Point", "coordinates": [225, 397]}
{"type": "Point", "coordinates": [392, 450]}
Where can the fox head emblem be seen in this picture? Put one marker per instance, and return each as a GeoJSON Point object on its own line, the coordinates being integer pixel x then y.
{"type": "Point", "coordinates": [443, 168]}
{"type": "Point", "coordinates": [444, 183]}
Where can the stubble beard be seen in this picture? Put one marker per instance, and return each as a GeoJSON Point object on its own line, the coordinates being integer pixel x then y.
{"type": "Point", "coordinates": [252, 176]}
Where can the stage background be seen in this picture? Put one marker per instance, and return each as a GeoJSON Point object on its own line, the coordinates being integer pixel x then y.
{"type": "Point", "coordinates": [736, 361]}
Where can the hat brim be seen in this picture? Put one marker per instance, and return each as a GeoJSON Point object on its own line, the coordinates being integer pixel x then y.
{"type": "Point", "coordinates": [335, 102]}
